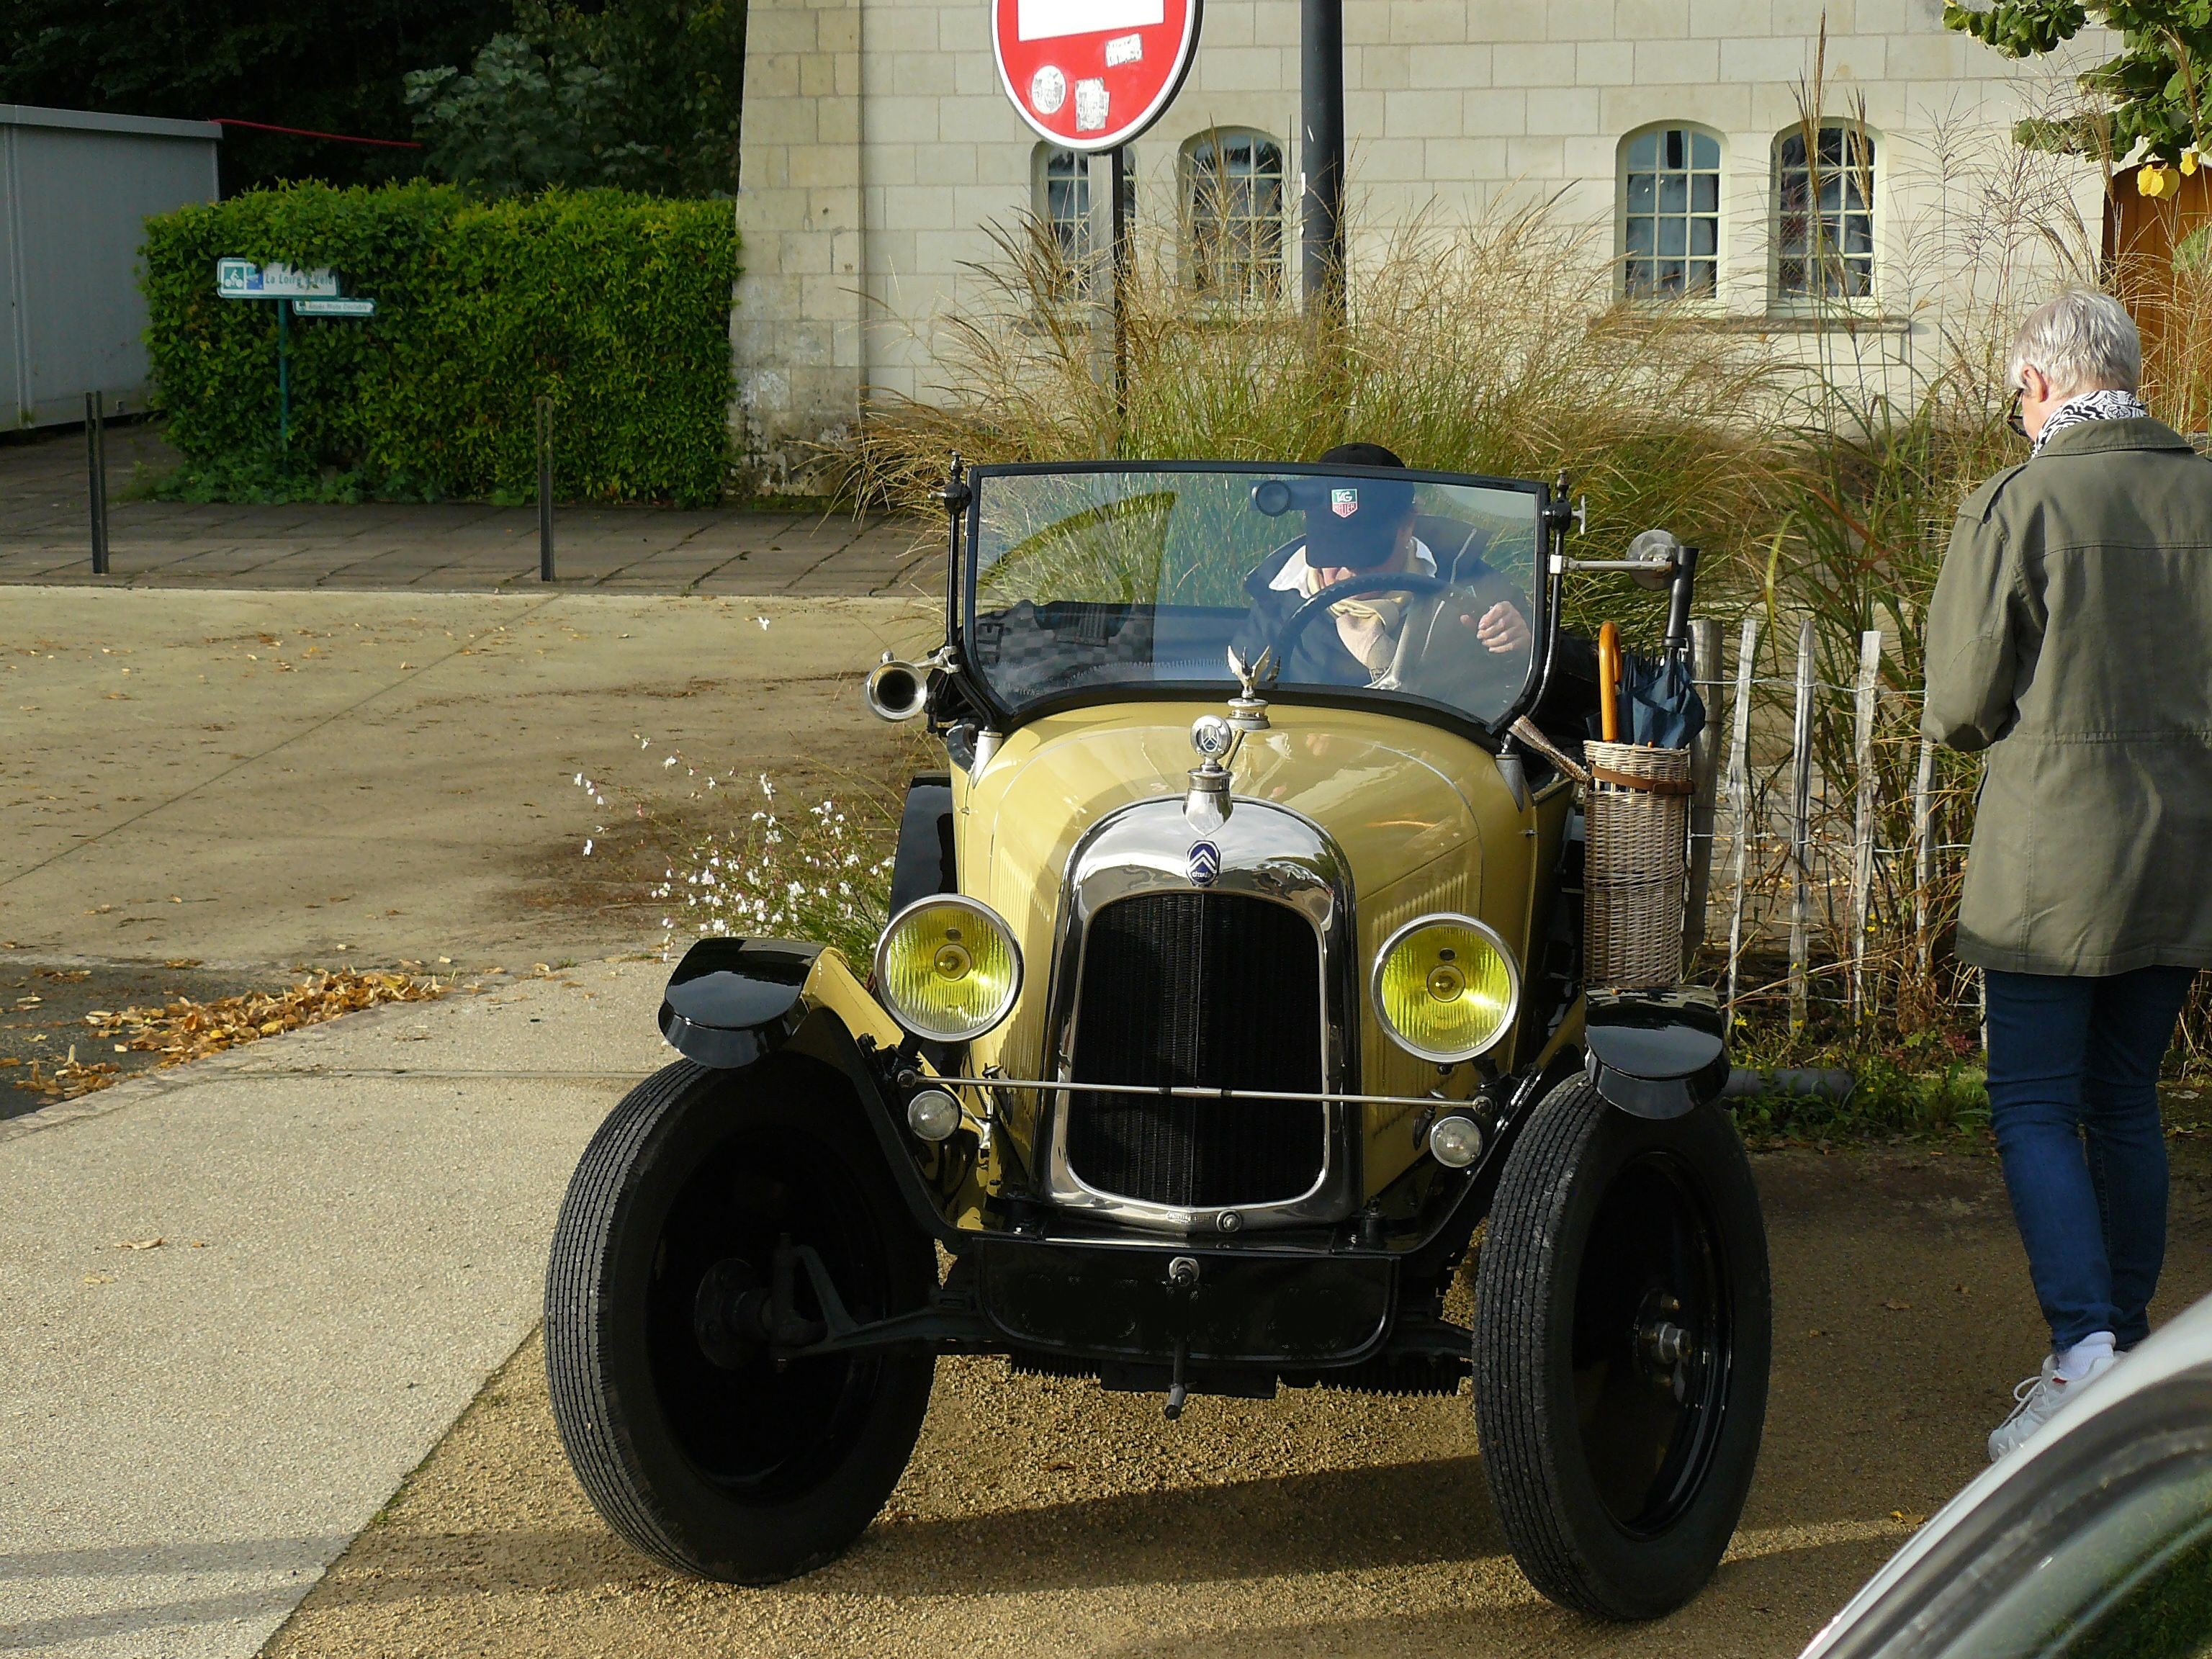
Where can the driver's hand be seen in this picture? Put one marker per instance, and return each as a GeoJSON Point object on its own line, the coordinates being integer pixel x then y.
{"type": "Point", "coordinates": [1501, 627]}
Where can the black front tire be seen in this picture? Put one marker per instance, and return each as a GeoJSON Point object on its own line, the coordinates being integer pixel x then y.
{"type": "Point", "coordinates": [690, 1441]}
{"type": "Point", "coordinates": [1623, 1333]}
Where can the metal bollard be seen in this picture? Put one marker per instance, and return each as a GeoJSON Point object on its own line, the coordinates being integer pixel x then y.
{"type": "Point", "coordinates": [95, 466]}
{"type": "Point", "coordinates": [544, 489]}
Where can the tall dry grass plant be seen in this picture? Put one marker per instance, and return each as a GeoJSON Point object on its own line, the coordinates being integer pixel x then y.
{"type": "Point", "coordinates": [1492, 347]}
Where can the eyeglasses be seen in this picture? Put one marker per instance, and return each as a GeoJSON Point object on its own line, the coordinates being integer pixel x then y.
{"type": "Point", "coordinates": [2014, 419]}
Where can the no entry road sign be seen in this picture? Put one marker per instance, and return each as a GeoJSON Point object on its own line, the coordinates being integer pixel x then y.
{"type": "Point", "coordinates": [1092, 74]}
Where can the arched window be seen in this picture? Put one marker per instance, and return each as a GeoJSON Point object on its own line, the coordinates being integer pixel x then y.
{"type": "Point", "coordinates": [1824, 213]}
{"type": "Point", "coordinates": [1060, 182]}
{"type": "Point", "coordinates": [1233, 213]}
{"type": "Point", "coordinates": [1670, 212]}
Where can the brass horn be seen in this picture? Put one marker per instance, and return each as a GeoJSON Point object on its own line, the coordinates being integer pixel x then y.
{"type": "Point", "coordinates": [897, 690]}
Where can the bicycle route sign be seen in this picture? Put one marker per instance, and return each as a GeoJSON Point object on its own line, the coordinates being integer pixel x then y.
{"type": "Point", "coordinates": [1090, 75]}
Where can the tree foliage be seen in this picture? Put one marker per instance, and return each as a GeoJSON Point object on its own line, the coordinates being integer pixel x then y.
{"type": "Point", "coordinates": [638, 94]}
{"type": "Point", "coordinates": [2153, 101]}
{"type": "Point", "coordinates": [331, 65]}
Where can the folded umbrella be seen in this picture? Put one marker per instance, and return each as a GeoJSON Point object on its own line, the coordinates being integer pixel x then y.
{"type": "Point", "coordinates": [1658, 703]}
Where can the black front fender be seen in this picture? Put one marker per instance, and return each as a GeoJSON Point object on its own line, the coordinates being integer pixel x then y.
{"type": "Point", "coordinates": [1657, 1054]}
{"type": "Point", "coordinates": [731, 1000]}
{"type": "Point", "coordinates": [732, 1003]}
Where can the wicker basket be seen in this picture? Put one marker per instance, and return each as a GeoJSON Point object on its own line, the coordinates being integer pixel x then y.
{"type": "Point", "coordinates": [1637, 825]}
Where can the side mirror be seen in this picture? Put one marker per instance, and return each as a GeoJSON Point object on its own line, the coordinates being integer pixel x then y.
{"type": "Point", "coordinates": [1647, 550]}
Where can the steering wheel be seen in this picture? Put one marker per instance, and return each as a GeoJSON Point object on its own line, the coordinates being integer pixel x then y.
{"type": "Point", "coordinates": [1462, 673]}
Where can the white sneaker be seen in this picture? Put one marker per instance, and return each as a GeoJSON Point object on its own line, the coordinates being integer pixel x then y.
{"type": "Point", "coordinates": [2041, 1397]}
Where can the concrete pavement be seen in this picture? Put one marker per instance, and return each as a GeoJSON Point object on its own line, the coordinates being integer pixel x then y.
{"type": "Point", "coordinates": [44, 537]}
{"type": "Point", "coordinates": [353, 1221]}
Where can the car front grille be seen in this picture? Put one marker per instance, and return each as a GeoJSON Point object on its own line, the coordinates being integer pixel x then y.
{"type": "Point", "coordinates": [1221, 990]}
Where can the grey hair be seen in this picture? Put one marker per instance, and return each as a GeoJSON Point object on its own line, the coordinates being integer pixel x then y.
{"type": "Point", "coordinates": [2080, 340]}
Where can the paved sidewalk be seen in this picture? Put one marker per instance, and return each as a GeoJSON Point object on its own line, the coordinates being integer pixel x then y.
{"type": "Point", "coordinates": [353, 1222]}
{"type": "Point", "coordinates": [45, 537]}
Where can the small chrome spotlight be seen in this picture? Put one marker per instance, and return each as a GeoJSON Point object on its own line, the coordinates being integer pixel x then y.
{"type": "Point", "coordinates": [1455, 1141]}
{"type": "Point", "coordinates": [933, 1115]}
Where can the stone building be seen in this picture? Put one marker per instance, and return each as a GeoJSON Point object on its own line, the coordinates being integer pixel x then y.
{"type": "Point", "coordinates": [879, 146]}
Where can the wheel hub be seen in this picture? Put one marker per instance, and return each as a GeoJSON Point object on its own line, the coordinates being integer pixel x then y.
{"type": "Point", "coordinates": [1666, 1345]}
{"type": "Point", "coordinates": [729, 1316]}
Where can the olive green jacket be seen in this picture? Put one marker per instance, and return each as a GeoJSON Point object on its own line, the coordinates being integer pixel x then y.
{"type": "Point", "coordinates": [2071, 636]}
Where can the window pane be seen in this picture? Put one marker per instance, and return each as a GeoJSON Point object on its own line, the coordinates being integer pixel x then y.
{"type": "Point", "coordinates": [1234, 215]}
{"type": "Point", "coordinates": [1639, 236]}
{"type": "Point", "coordinates": [1671, 234]}
{"type": "Point", "coordinates": [1824, 220]}
{"type": "Point", "coordinates": [1704, 236]}
{"type": "Point", "coordinates": [1705, 192]}
{"type": "Point", "coordinates": [1705, 153]}
{"type": "Point", "coordinates": [1643, 152]}
{"type": "Point", "coordinates": [1643, 191]}
{"type": "Point", "coordinates": [1702, 273]}
{"type": "Point", "coordinates": [1670, 276]}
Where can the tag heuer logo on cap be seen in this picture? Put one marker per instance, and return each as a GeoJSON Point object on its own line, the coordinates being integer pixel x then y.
{"type": "Point", "coordinates": [1205, 864]}
{"type": "Point", "coordinates": [1344, 502]}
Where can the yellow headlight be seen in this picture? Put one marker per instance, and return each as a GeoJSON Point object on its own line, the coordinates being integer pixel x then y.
{"type": "Point", "coordinates": [1445, 988]}
{"type": "Point", "coordinates": [948, 969]}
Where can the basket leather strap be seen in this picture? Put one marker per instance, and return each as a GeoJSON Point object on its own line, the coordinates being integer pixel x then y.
{"type": "Point", "coordinates": [1648, 786]}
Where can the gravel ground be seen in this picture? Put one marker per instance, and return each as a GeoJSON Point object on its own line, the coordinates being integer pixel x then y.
{"type": "Point", "coordinates": [1045, 1516]}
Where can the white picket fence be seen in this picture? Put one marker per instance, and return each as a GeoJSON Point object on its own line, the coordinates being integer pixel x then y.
{"type": "Point", "coordinates": [1825, 825]}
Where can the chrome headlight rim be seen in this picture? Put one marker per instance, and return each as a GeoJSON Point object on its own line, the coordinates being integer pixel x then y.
{"type": "Point", "coordinates": [990, 918]}
{"type": "Point", "coordinates": [1496, 942]}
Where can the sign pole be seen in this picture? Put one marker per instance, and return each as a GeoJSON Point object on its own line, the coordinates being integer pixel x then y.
{"type": "Point", "coordinates": [544, 489]}
{"type": "Point", "coordinates": [283, 378]}
{"type": "Point", "coordinates": [1320, 95]}
{"type": "Point", "coordinates": [1119, 221]}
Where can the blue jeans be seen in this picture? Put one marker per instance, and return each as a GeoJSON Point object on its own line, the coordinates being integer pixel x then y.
{"type": "Point", "coordinates": [2073, 1101]}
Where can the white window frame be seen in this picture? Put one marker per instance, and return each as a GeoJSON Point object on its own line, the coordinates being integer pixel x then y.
{"type": "Point", "coordinates": [1624, 210]}
{"type": "Point", "coordinates": [1252, 290]}
{"type": "Point", "coordinates": [1853, 181]}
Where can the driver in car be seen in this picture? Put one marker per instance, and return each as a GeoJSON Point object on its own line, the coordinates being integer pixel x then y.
{"type": "Point", "coordinates": [1368, 528]}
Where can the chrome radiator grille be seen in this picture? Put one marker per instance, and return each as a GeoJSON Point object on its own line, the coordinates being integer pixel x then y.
{"type": "Point", "coordinates": [1219, 990]}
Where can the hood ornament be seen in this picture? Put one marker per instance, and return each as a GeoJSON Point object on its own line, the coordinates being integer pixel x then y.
{"type": "Point", "coordinates": [1218, 741]}
{"type": "Point", "coordinates": [1248, 710]}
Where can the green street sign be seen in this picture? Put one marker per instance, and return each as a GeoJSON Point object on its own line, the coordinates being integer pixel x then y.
{"type": "Point", "coordinates": [243, 279]}
{"type": "Point", "coordinates": [334, 307]}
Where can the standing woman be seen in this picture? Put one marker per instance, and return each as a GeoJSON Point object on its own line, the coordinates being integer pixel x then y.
{"type": "Point", "coordinates": [2071, 636]}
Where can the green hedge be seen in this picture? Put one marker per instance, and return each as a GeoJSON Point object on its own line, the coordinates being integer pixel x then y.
{"type": "Point", "coordinates": [616, 307]}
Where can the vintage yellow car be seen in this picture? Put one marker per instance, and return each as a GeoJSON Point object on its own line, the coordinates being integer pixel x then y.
{"type": "Point", "coordinates": [1234, 981]}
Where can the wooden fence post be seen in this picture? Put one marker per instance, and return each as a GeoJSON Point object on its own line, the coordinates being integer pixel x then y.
{"type": "Point", "coordinates": [1704, 749]}
{"type": "Point", "coordinates": [1739, 793]}
{"type": "Point", "coordinates": [1801, 829]}
{"type": "Point", "coordinates": [1923, 852]}
{"type": "Point", "coordinates": [1862, 836]}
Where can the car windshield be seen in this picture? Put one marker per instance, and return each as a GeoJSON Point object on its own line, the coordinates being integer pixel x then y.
{"type": "Point", "coordinates": [1084, 582]}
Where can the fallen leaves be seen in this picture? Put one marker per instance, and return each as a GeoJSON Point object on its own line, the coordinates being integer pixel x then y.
{"type": "Point", "coordinates": [185, 1029]}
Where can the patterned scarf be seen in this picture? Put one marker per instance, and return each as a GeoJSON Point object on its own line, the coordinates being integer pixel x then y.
{"type": "Point", "coordinates": [2107, 404]}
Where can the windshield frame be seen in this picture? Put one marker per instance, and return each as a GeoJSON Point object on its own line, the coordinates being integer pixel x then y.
{"type": "Point", "coordinates": [1006, 717]}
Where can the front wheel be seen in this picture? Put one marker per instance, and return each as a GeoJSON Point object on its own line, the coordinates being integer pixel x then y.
{"type": "Point", "coordinates": [690, 1440]}
{"type": "Point", "coordinates": [1623, 1330]}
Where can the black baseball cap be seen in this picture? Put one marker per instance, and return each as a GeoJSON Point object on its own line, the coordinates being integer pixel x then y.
{"type": "Point", "coordinates": [1355, 524]}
